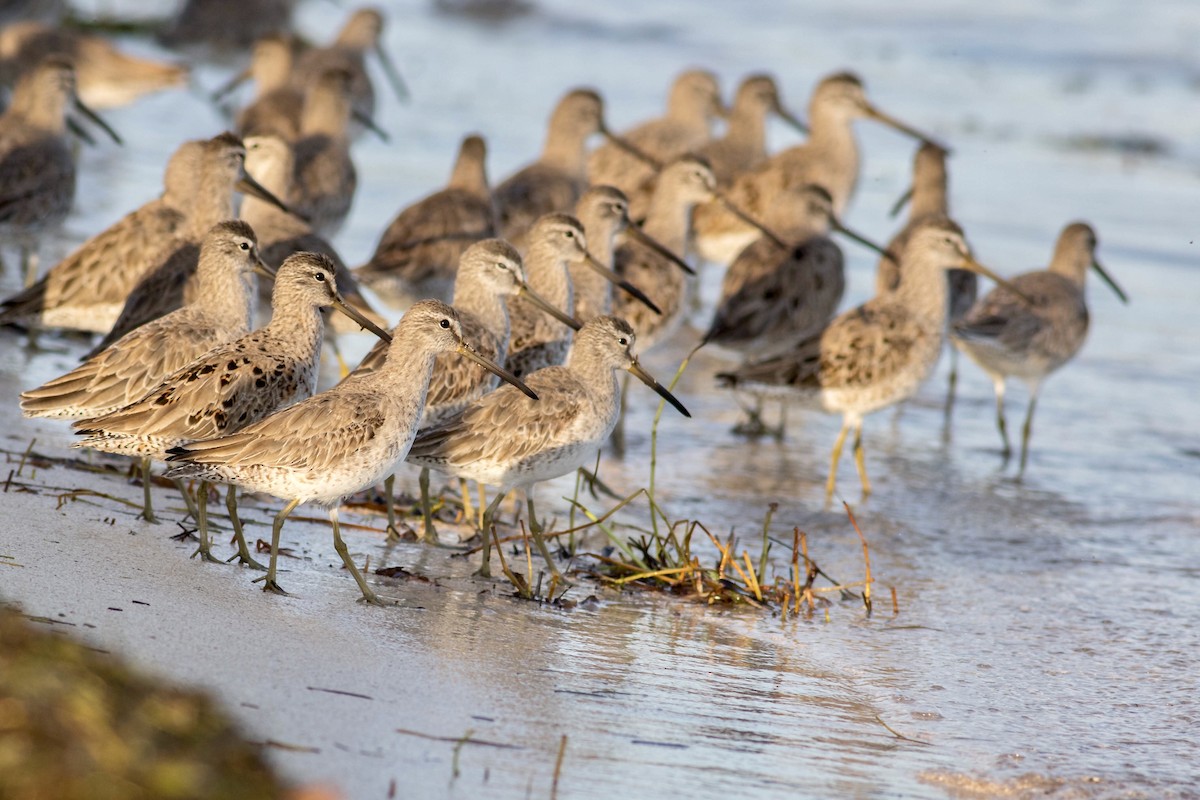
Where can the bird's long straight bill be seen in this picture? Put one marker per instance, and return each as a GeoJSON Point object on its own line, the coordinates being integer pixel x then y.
{"type": "Point", "coordinates": [261, 268]}
{"type": "Point", "coordinates": [247, 185]}
{"type": "Point", "coordinates": [901, 202]}
{"type": "Point", "coordinates": [364, 119]}
{"type": "Point", "coordinates": [393, 74]}
{"type": "Point", "coordinates": [660, 390]}
{"type": "Point", "coordinates": [751, 221]}
{"type": "Point", "coordinates": [97, 120]}
{"type": "Point", "coordinates": [1112, 284]}
{"type": "Point", "coordinates": [864, 241]}
{"type": "Point", "coordinates": [353, 313]}
{"type": "Point", "coordinates": [971, 265]}
{"type": "Point", "coordinates": [632, 150]}
{"type": "Point", "coordinates": [614, 278]}
{"type": "Point", "coordinates": [659, 247]}
{"type": "Point", "coordinates": [908, 130]}
{"type": "Point", "coordinates": [792, 119]}
{"type": "Point", "coordinates": [465, 351]}
{"type": "Point", "coordinates": [230, 85]}
{"type": "Point", "coordinates": [545, 305]}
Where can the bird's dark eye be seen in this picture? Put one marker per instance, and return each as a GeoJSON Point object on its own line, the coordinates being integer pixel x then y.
{"type": "Point", "coordinates": [623, 341]}
{"type": "Point", "coordinates": [445, 323]}
{"type": "Point", "coordinates": [245, 246]}
{"type": "Point", "coordinates": [570, 234]}
{"type": "Point", "coordinates": [320, 276]}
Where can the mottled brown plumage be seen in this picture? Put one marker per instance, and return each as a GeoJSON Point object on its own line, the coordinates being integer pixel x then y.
{"type": "Point", "coordinates": [419, 252]}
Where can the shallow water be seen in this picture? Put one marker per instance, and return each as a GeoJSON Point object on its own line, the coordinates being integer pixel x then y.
{"type": "Point", "coordinates": [1046, 627]}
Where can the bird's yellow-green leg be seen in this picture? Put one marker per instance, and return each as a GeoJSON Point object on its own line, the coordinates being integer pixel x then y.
{"type": "Point", "coordinates": [269, 584]}
{"type": "Point", "coordinates": [1007, 451]}
{"type": "Point", "coordinates": [188, 500]}
{"type": "Point", "coordinates": [389, 501]}
{"type": "Point", "coordinates": [1027, 429]}
{"type": "Point", "coordinates": [368, 596]}
{"type": "Point", "coordinates": [535, 528]}
{"type": "Point", "coordinates": [430, 534]}
{"type": "Point", "coordinates": [243, 554]}
{"type": "Point", "coordinates": [860, 459]}
{"type": "Point", "coordinates": [147, 504]}
{"type": "Point", "coordinates": [485, 568]}
{"type": "Point", "coordinates": [831, 481]}
{"type": "Point", "coordinates": [205, 548]}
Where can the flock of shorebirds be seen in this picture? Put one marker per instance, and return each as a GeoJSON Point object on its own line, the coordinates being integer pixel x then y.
{"type": "Point", "coordinates": [550, 281]}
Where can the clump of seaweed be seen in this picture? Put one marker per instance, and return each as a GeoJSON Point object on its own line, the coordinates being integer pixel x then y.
{"type": "Point", "coordinates": [79, 723]}
{"type": "Point", "coordinates": [662, 557]}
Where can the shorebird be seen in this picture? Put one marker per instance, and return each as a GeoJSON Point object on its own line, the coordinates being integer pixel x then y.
{"type": "Point", "coordinates": [229, 24]}
{"type": "Point", "coordinates": [1029, 340]}
{"type": "Point", "coordinates": [234, 384]}
{"type": "Point", "coordinates": [555, 181]}
{"type": "Point", "coordinates": [744, 145]}
{"type": "Point", "coordinates": [694, 101]}
{"type": "Point", "coordinates": [105, 77]}
{"type": "Point", "coordinates": [419, 252]}
{"type": "Point", "coordinates": [86, 290]}
{"type": "Point", "coordinates": [361, 33]}
{"type": "Point", "coordinates": [576, 411]}
{"type": "Point", "coordinates": [556, 242]}
{"type": "Point", "coordinates": [928, 200]}
{"type": "Point", "coordinates": [874, 355]}
{"type": "Point", "coordinates": [37, 172]}
{"type": "Point", "coordinates": [773, 297]}
{"type": "Point", "coordinates": [278, 103]}
{"type": "Point", "coordinates": [604, 214]}
{"type": "Point", "coordinates": [829, 158]}
{"type": "Point", "coordinates": [490, 275]}
{"type": "Point", "coordinates": [340, 441]}
{"type": "Point", "coordinates": [280, 233]}
{"type": "Point", "coordinates": [138, 361]}
{"type": "Point", "coordinates": [218, 170]}
{"type": "Point", "coordinates": [325, 179]}
{"type": "Point", "coordinates": [681, 185]}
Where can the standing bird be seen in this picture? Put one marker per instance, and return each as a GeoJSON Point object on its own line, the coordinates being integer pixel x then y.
{"type": "Point", "coordinates": [928, 200]}
{"type": "Point", "coordinates": [234, 384]}
{"type": "Point", "coordinates": [576, 411]}
{"type": "Point", "coordinates": [829, 158]}
{"type": "Point", "coordinates": [604, 213]}
{"type": "Point", "coordinates": [744, 145]}
{"type": "Point", "coordinates": [555, 243]}
{"type": "Point", "coordinates": [105, 77]}
{"type": "Point", "coordinates": [281, 234]}
{"type": "Point", "coordinates": [340, 441]}
{"type": "Point", "coordinates": [694, 101]}
{"type": "Point", "coordinates": [874, 355]}
{"type": "Point", "coordinates": [86, 290]}
{"type": "Point", "coordinates": [490, 275]}
{"type": "Point", "coordinates": [37, 172]}
{"type": "Point", "coordinates": [324, 178]}
{"type": "Point", "coordinates": [138, 361]}
{"type": "Point", "coordinates": [1029, 340]}
{"type": "Point", "coordinates": [362, 32]}
{"type": "Point", "coordinates": [278, 103]}
{"type": "Point", "coordinates": [419, 252]}
{"type": "Point", "coordinates": [218, 170]}
{"type": "Point", "coordinates": [772, 297]}
{"type": "Point", "coordinates": [555, 181]}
